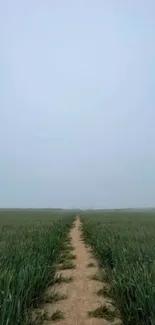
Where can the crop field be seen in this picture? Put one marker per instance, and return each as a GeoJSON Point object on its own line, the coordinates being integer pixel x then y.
{"type": "Point", "coordinates": [30, 242]}
{"type": "Point", "coordinates": [37, 245]}
{"type": "Point", "coordinates": [124, 244]}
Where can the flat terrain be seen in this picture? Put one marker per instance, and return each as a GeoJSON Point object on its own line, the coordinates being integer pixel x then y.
{"type": "Point", "coordinates": [124, 242]}
{"type": "Point", "coordinates": [96, 269]}
{"type": "Point", "coordinates": [81, 293]}
{"type": "Point", "coordinates": [30, 245]}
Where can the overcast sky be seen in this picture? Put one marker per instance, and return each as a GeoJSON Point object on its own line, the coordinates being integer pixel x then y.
{"type": "Point", "coordinates": [77, 103]}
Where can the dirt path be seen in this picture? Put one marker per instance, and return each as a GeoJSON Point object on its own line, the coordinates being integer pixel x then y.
{"type": "Point", "coordinates": [81, 292]}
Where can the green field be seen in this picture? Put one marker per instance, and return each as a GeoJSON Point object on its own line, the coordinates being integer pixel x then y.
{"type": "Point", "coordinates": [30, 244]}
{"type": "Point", "coordinates": [124, 243]}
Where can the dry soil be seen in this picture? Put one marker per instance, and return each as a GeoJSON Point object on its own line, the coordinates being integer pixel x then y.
{"type": "Point", "coordinates": [82, 291]}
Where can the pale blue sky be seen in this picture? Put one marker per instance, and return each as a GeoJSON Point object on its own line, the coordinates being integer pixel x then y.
{"type": "Point", "coordinates": [77, 103]}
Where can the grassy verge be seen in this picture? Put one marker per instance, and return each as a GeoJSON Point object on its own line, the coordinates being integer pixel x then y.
{"type": "Point", "coordinates": [125, 247]}
{"type": "Point", "coordinates": [28, 255]}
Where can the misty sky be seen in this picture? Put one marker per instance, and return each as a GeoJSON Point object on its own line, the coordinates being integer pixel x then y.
{"type": "Point", "coordinates": [77, 103]}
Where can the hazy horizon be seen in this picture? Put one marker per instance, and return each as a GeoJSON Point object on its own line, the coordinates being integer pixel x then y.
{"type": "Point", "coordinates": [77, 104]}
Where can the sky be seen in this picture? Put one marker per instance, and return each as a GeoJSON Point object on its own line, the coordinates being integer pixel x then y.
{"type": "Point", "coordinates": [77, 103]}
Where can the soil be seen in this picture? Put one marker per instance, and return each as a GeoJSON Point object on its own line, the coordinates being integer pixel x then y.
{"type": "Point", "coordinates": [82, 291]}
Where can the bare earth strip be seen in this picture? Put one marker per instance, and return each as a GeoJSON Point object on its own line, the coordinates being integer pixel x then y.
{"type": "Point", "coordinates": [82, 291]}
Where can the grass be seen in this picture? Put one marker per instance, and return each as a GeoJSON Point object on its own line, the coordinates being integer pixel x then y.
{"type": "Point", "coordinates": [91, 264]}
{"type": "Point", "coordinates": [61, 279]}
{"type": "Point", "coordinates": [97, 277]}
{"type": "Point", "coordinates": [103, 312]}
{"type": "Point", "coordinates": [66, 265]}
{"type": "Point", "coordinates": [57, 315]}
{"type": "Point", "coordinates": [124, 243]}
{"type": "Point", "coordinates": [68, 248]}
{"type": "Point", "coordinates": [106, 291]}
{"type": "Point", "coordinates": [30, 245]}
{"type": "Point", "coordinates": [69, 256]}
{"type": "Point", "coordinates": [54, 297]}
{"type": "Point", "coordinates": [40, 317]}
{"type": "Point", "coordinates": [66, 256]}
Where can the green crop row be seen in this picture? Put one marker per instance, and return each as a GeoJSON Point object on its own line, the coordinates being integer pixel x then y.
{"type": "Point", "coordinates": [124, 243]}
{"type": "Point", "coordinates": [28, 254]}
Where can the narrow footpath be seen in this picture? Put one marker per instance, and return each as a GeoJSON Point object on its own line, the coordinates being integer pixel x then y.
{"type": "Point", "coordinates": [81, 293]}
